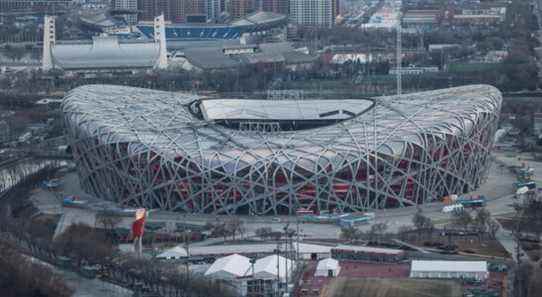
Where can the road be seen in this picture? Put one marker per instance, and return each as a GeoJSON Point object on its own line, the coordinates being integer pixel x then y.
{"type": "Point", "coordinates": [85, 287]}
{"type": "Point", "coordinates": [498, 188]}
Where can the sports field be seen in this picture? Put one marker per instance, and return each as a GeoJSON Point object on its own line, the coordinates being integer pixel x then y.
{"type": "Point", "coordinates": [381, 287]}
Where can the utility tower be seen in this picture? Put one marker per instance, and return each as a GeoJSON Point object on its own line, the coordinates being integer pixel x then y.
{"type": "Point", "coordinates": [399, 52]}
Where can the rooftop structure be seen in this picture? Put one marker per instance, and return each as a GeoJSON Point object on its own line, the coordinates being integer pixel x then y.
{"type": "Point", "coordinates": [156, 149]}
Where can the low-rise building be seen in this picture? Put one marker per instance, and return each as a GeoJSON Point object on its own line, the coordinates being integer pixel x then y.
{"type": "Point", "coordinates": [306, 250]}
{"type": "Point", "coordinates": [449, 269]}
{"type": "Point", "coordinates": [413, 70]}
{"type": "Point", "coordinates": [366, 253]}
{"type": "Point", "coordinates": [421, 17]}
{"type": "Point", "coordinates": [443, 47]}
{"type": "Point", "coordinates": [264, 56]}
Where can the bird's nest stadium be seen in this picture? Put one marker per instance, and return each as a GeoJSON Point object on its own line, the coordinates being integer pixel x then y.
{"type": "Point", "coordinates": [178, 151]}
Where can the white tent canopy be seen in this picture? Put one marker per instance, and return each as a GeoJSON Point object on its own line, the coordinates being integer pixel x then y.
{"type": "Point", "coordinates": [266, 268]}
{"type": "Point", "coordinates": [173, 253]}
{"type": "Point", "coordinates": [232, 266]}
{"type": "Point", "coordinates": [327, 265]}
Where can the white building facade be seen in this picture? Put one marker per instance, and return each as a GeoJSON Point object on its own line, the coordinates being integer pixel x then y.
{"type": "Point", "coordinates": [317, 13]}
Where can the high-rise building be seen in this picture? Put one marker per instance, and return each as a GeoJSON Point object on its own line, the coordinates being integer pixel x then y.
{"type": "Point", "coordinates": [276, 6]}
{"type": "Point", "coordinates": [152, 8]}
{"type": "Point", "coordinates": [33, 6]}
{"type": "Point", "coordinates": [213, 9]}
{"type": "Point", "coordinates": [240, 8]}
{"type": "Point", "coordinates": [313, 12]}
{"type": "Point", "coordinates": [195, 10]}
{"type": "Point", "coordinates": [176, 11]}
{"type": "Point", "coordinates": [131, 19]}
{"type": "Point", "coordinates": [336, 8]}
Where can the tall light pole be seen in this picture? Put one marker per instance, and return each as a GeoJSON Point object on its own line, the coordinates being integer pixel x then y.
{"type": "Point", "coordinates": [399, 51]}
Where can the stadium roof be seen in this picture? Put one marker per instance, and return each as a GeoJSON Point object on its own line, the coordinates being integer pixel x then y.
{"type": "Point", "coordinates": [220, 109]}
{"type": "Point", "coordinates": [449, 266]}
{"type": "Point", "coordinates": [162, 122]}
{"type": "Point", "coordinates": [105, 52]}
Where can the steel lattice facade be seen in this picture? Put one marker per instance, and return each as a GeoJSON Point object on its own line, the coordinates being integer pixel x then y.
{"type": "Point", "coordinates": [147, 148]}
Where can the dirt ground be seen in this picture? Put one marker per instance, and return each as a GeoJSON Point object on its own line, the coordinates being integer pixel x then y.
{"type": "Point", "coordinates": [378, 287]}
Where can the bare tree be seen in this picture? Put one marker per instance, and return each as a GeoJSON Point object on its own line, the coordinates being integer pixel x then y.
{"type": "Point", "coordinates": [404, 231]}
{"type": "Point", "coordinates": [481, 222]}
{"type": "Point", "coordinates": [263, 232]}
{"type": "Point", "coordinates": [492, 228]}
{"type": "Point", "coordinates": [422, 223]}
{"type": "Point", "coordinates": [350, 234]}
{"type": "Point", "coordinates": [462, 220]}
{"type": "Point", "coordinates": [23, 277]}
{"type": "Point", "coordinates": [233, 225]}
{"type": "Point", "coordinates": [109, 224]}
{"type": "Point", "coordinates": [377, 231]}
{"type": "Point", "coordinates": [82, 243]}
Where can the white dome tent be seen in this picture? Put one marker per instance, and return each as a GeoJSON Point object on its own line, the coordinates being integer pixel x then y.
{"type": "Point", "coordinates": [328, 267]}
